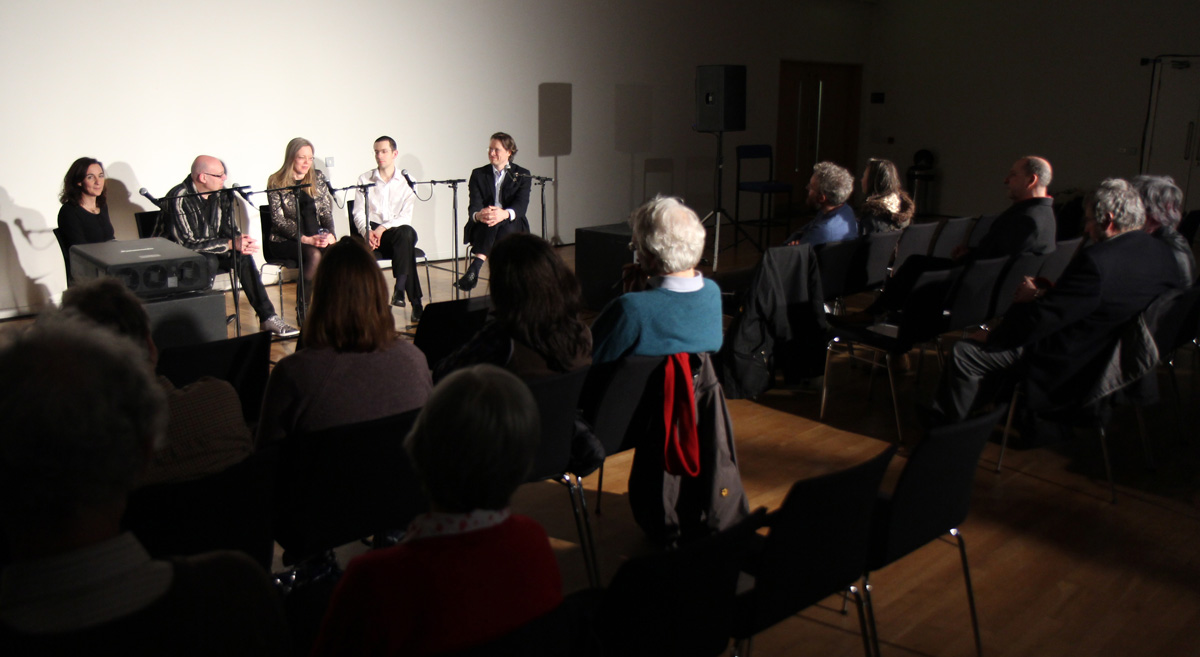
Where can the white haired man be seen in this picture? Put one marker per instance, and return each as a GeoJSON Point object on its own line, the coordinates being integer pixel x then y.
{"type": "Point", "coordinates": [1163, 201]}
{"type": "Point", "coordinates": [828, 190]}
{"type": "Point", "coordinates": [669, 307]}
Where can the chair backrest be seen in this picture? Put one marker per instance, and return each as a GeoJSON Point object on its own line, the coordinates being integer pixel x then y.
{"type": "Point", "coordinates": [244, 362]}
{"type": "Point", "coordinates": [971, 298]}
{"type": "Point", "coordinates": [340, 484]}
{"type": "Point", "coordinates": [952, 233]}
{"type": "Point", "coordinates": [558, 403]}
{"type": "Point", "coordinates": [843, 267]}
{"type": "Point", "coordinates": [1057, 260]}
{"type": "Point", "coordinates": [924, 308]}
{"type": "Point", "coordinates": [755, 152]}
{"type": "Point", "coordinates": [1026, 264]}
{"type": "Point", "coordinates": [881, 248]}
{"type": "Point", "coordinates": [147, 222]}
{"type": "Point", "coordinates": [915, 239]}
{"type": "Point", "coordinates": [612, 393]}
{"type": "Point", "coordinates": [447, 325]}
{"type": "Point", "coordinates": [679, 602]}
{"type": "Point", "coordinates": [1189, 224]}
{"type": "Point", "coordinates": [1177, 323]}
{"type": "Point", "coordinates": [817, 544]}
{"type": "Point", "coordinates": [229, 510]}
{"type": "Point", "coordinates": [933, 493]}
{"type": "Point", "coordinates": [980, 229]}
{"type": "Point", "coordinates": [66, 256]}
{"type": "Point", "coordinates": [264, 218]}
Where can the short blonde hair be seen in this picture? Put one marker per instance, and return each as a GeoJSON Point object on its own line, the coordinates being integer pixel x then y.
{"type": "Point", "coordinates": [667, 235]}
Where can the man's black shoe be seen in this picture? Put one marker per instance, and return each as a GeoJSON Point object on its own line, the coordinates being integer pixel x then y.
{"type": "Point", "coordinates": [398, 298]}
{"type": "Point", "coordinates": [468, 281]}
{"type": "Point", "coordinates": [417, 309]}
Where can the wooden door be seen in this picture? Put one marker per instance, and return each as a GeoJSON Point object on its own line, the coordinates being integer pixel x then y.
{"type": "Point", "coordinates": [818, 120]}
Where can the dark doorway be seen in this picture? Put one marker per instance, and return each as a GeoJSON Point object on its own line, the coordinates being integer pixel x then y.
{"type": "Point", "coordinates": [818, 120]}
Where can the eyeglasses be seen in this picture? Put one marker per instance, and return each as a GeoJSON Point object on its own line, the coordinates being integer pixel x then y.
{"type": "Point", "coordinates": [215, 175]}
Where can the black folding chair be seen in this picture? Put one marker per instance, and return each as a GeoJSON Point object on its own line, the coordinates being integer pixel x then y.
{"type": "Point", "coordinates": [679, 602]}
{"type": "Point", "coordinates": [229, 510]}
{"type": "Point", "coordinates": [244, 362]}
{"type": "Point", "coordinates": [280, 264]}
{"type": "Point", "coordinates": [932, 497]}
{"type": "Point", "coordinates": [916, 239]}
{"type": "Point", "coordinates": [558, 402]}
{"type": "Point", "coordinates": [816, 547]}
{"type": "Point", "coordinates": [951, 234]}
{"type": "Point", "coordinates": [1026, 264]}
{"type": "Point", "coordinates": [611, 395]}
{"type": "Point", "coordinates": [448, 325]}
{"type": "Point", "coordinates": [1057, 260]}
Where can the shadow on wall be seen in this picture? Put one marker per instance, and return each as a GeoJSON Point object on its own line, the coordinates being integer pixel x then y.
{"type": "Point", "coordinates": [21, 294]}
{"type": "Point", "coordinates": [122, 209]}
{"type": "Point", "coordinates": [555, 115]}
{"type": "Point", "coordinates": [633, 129]}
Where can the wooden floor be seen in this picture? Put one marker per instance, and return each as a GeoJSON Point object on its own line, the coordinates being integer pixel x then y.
{"type": "Point", "coordinates": [1057, 569]}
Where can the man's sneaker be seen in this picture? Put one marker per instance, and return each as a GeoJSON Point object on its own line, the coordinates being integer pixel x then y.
{"type": "Point", "coordinates": [276, 325]}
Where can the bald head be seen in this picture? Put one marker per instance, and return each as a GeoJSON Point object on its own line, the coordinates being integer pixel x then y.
{"type": "Point", "coordinates": [1028, 178]}
{"type": "Point", "coordinates": [208, 173]}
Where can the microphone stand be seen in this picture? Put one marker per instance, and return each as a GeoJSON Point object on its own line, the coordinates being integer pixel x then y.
{"type": "Point", "coordinates": [541, 182]}
{"type": "Point", "coordinates": [454, 223]}
{"type": "Point", "coordinates": [233, 252]}
{"type": "Point", "coordinates": [301, 304]}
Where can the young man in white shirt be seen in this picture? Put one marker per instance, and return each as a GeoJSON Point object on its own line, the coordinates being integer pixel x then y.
{"type": "Point", "coordinates": [384, 216]}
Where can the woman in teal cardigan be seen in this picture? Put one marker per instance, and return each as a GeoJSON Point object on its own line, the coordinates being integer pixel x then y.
{"type": "Point", "coordinates": [668, 307]}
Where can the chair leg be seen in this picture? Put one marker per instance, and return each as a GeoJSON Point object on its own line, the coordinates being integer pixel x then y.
{"type": "Point", "coordinates": [600, 488]}
{"type": "Point", "coordinates": [583, 526]}
{"type": "Point", "coordinates": [1147, 453]}
{"type": "Point", "coordinates": [962, 551]}
{"type": "Point", "coordinates": [1178, 400]}
{"type": "Point", "coordinates": [895, 400]}
{"type": "Point", "coordinates": [871, 374]}
{"type": "Point", "coordinates": [1112, 487]}
{"type": "Point", "coordinates": [941, 354]}
{"type": "Point", "coordinates": [1012, 407]}
{"type": "Point", "coordinates": [866, 591]}
{"type": "Point", "coordinates": [862, 619]}
{"type": "Point", "coordinates": [428, 285]}
{"type": "Point", "coordinates": [825, 379]}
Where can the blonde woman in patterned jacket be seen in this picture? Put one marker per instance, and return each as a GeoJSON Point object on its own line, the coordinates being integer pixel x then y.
{"type": "Point", "coordinates": [308, 210]}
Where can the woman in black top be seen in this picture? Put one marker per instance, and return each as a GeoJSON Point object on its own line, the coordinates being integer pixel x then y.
{"type": "Point", "coordinates": [83, 217]}
{"type": "Point", "coordinates": [307, 211]}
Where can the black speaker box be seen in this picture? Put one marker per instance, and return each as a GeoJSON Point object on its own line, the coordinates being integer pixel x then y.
{"type": "Point", "coordinates": [720, 98]}
{"type": "Point", "coordinates": [600, 253]}
{"type": "Point", "coordinates": [151, 267]}
{"type": "Point", "coordinates": [187, 319]}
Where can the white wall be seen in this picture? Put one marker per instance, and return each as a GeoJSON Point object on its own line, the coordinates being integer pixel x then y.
{"type": "Point", "coordinates": [146, 87]}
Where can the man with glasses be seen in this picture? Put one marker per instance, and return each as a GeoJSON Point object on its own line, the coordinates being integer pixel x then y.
{"type": "Point", "coordinates": [205, 224]}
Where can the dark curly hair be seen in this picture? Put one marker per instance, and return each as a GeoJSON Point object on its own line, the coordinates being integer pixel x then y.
{"type": "Point", "coordinates": [72, 189]}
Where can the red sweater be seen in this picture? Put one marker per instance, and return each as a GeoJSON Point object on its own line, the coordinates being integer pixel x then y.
{"type": "Point", "coordinates": [444, 593]}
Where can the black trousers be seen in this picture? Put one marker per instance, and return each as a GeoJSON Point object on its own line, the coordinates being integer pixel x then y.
{"type": "Point", "coordinates": [896, 289]}
{"type": "Point", "coordinates": [973, 375]}
{"type": "Point", "coordinates": [484, 236]}
{"type": "Point", "coordinates": [399, 244]}
{"type": "Point", "coordinates": [249, 278]}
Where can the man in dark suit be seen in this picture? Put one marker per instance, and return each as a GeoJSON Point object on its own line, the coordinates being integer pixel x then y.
{"type": "Point", "coordinates": [499, 198]}
{"type": "Point", "coordinates": [1057, 338]}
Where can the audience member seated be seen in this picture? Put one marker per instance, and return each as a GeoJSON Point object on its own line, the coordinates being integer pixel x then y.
{"type": "Point", "coordinates": [668, 307]}
{"type": "Point", "coordinates": [83, 217]}
{"type": "Point", "coordinates": [535, 330]}
{"type": "Point", "coordinates": [1057, 338]}
{"type": "Point", "coordinates": [1027, 226]}
{"type": "Point", "coordinates": [349, 366]}
{"type": "Point", "coordinates": [828, 190]}
{"type": "Point", "coordinates": [206, 431]}
{"type": "Point", "coordinates": [470, 571]}
{"type": "Point", "coordinates": [82, 412]}
{"type": "Point", "coordinates": [1163, 201]}
{"type": "Point", "coordinates": [886, 206]}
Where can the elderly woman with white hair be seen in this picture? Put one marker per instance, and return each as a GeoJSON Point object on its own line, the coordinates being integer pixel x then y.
{"type": "Point", "coordinates": [669, 307]}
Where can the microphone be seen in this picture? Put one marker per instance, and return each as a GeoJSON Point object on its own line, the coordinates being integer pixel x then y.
{"type": "Point", "coordinates": [241, 191]}
{"type": "Point", "coordinates": [407, 178]}
{"type": "Point", "coordinates": [150, 197]}
{"type": "Point", "coordinates": [329, 186]}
